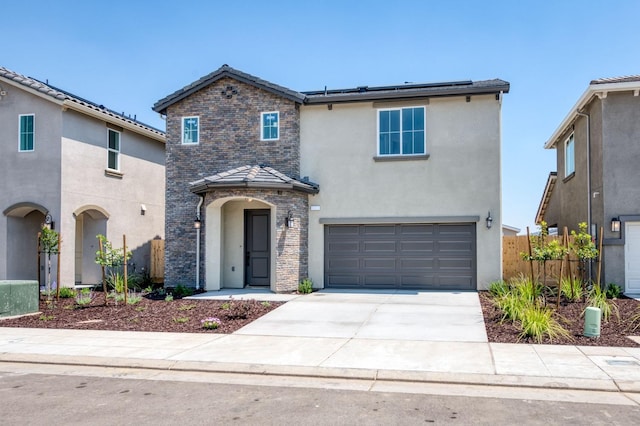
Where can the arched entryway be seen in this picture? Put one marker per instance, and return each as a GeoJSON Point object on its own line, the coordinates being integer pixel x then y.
{"type": "Point", "coordinates": [24, 221]}
{"type": "Point", "coordinates": [91, 221]}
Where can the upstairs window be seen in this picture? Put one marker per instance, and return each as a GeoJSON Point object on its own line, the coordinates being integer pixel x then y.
{"type": "Point", "coordinates": [113, 148]}
{"type": "Point", "coordinates": [190, 130]}
{"type": "Point", "coordinates": [269, 124]}
{"type": "Point", "coordinates": [26, 132]}
{"type": "Point", "coordinates": [569, 156]}
{"type": "Point", "coordinates": [401, 131]}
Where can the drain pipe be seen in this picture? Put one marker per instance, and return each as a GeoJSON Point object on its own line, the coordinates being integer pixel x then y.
{"type": "Point", "coordinates": [198, 241]}
{"type": "Point", "coordinates": [589, 224]}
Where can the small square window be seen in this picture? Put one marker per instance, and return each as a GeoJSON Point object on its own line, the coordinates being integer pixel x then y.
{"type": "Point", "coordinates": [190, 130]}
{"type": "Point", "coordinates": [270, 125]}
{"type": "Point", "coordinates": [113, 149]}
{"type": "Point", "coordinates": [26, 132]}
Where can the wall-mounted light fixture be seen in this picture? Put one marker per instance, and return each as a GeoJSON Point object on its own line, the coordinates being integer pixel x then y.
{"type": "Point", "coordinates": [48, 221]}
{"type": "Point", "coordinates": [197, 223]}
{"type": "Point", "coordinates": [489, 220]}
{"type": "Point", "coordinates": [615, 224]}
{"type": "Point", "coordinates": [143, 209]}
{"type": "Point", "coordinates": [288, 221]}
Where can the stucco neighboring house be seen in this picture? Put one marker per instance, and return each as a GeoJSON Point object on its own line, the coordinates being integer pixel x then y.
{"type": "Point", "coordinates": [85, 168]}
{"type": "Point", "coordinates": [597, 179]}
{"type": "Point", "coordinates": [370, 187]}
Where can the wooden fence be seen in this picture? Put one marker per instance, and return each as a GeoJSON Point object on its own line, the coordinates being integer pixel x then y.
{"type": "Point", "coordinates": [157, 261]}
{"type": "Point", "coordinates": [513, 265]}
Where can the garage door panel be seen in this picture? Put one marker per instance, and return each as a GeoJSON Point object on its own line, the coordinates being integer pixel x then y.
{"type": "Point", "coordinates": [412, 256]}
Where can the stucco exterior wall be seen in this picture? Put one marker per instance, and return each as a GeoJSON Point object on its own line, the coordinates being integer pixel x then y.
{"type": "Point", "coordinates": [86, 186]}
{"type": "Point", "coordinates": [32, 177]}
{"type": "Point", "coordinates": [461, 177]}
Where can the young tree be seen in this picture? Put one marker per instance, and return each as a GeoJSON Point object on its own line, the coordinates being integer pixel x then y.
{"type": "Point", "coordinates": [49, 241]}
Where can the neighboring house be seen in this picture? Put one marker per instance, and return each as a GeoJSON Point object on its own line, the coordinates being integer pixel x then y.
{"type": "Point", "coordinates": [509, 231]}
{"type": "Point", "coordinates": [597, 179]}
{"type": "Point", "coordinates": [83, 167]}
{"type": "Point", "coordinates": [371, 187]}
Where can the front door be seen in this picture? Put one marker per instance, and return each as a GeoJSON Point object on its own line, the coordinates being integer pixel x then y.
{"type": "Point", "coordinates": [257, 243]}
{"type": "Point", "coordinates": [632, 258]}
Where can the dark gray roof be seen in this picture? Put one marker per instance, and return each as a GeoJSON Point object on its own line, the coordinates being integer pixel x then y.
{"type": "Point", "coordinates": [357, 94]}
{"type": "Point", "coordinates": [408, 91]}
{"type": "Point", "coordinates": [253, 177]}
{"type": "Point", "coordinates": [623, 79]}
{"type": "Point", "coordinates": [222, 72]}
{"type": "Point", "coordinates": [62, 95]}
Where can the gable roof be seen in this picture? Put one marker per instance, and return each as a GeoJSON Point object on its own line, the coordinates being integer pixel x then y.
{"type": "Point", "coordinates": [600, 88]}
{"type": "Point", "coordinates": [357, 94]}
{"type": "Point", "coordinates": [79, 104]}
{"type": "Point", "coordinates": [222, 72]}
{"type": "Point", "coordinates": [546, 196]}
{"type": "Point", "coordinates": [256, 176]}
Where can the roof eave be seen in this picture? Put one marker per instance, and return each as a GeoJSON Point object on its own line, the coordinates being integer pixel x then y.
{"type": "Point", "coordinates": [198, 187]}
{"type": "Point", "coordinates": [592, 90]}
{"type": "Point", "coordinates": [400, 94]}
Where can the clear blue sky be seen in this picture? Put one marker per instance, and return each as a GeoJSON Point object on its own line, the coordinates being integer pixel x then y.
{"type": "Point", "coordinates": [127, 54]}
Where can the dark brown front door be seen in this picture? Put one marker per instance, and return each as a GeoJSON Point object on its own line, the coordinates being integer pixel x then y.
{"type": "Point", "coordinates": [257, 255]}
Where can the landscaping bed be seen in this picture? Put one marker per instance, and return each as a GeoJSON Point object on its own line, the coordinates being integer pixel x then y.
{"type": "Point", "coordinates": [148, 314]}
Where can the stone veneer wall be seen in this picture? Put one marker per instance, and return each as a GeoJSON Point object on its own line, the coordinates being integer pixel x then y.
{"type": "Point", "coordinates": [229, 138]}
{"type": "Point", "coordinates": [291, 253]}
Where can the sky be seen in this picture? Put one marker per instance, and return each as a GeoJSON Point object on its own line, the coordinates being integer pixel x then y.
{"type": "Point", "coordinates": [128, 54]}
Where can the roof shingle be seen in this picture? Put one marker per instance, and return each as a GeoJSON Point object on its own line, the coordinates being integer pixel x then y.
{"type": "Point", "coordinates": [256, 176]}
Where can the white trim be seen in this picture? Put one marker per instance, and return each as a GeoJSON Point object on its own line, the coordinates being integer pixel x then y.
{"type": "Point", "coordinates": [571, 138]}
{"type": "Point", "coordinates": [262, 114]}
{"type": "Point", "coordinates": [591, 91]}
{"type": "Point", "coordinates": [631, 266]}
{"type": "Point", "coordinates": [424, 130]}
{"type": "Point", "coordinates": [182, 120]}
{"type": "Point", "coordinates": [20, 132]}
{"type": "Point", "coordinates": [109, 149]}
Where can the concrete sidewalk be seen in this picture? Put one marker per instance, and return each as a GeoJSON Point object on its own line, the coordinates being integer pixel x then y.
{"type": "Point", "coordinates": [421, 337]}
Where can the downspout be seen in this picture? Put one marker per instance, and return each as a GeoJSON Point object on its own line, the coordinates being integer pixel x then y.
{"type": "Point", "coordinates": [198, 242]}
{"type": "Point", "coordinates": [591, 231]}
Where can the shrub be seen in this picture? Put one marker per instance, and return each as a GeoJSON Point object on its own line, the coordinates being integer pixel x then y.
{"type": "Point", "coordinates": [512, 306]}
{"type": "Point", "coordinates": [84, 298]}
{"type": "Point", "coordinates": [181, 320]}
{"type": "Point", "coordinates": [305, 286]}
{"type": "Point", "coordinates": [538, 322]}
{"type": "Point", "coordinates": [613, 291]}
{"type": "Point", "coordinates": [67, 292]}
{"type": "Point", "coordinates": [134, 298]}
{"type": "Point", "coordinates": [210, 323]}
{"type": "Point", "coordinates": [181, 291]}
{"type": "Point", "coordinates": [237, 309]}
{"type": "Point", "coordinates": [498, 288]}
{"type": "Point", "coordinates": [598, 298]}
{"type": "Point", "coordinates": [168, 298]}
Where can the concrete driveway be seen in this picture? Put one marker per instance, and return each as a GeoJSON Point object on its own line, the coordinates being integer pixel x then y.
{"type": "Point", "coordinates": [380, 315]}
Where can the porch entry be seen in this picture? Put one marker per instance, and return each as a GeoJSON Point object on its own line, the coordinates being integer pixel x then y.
{"type": "Point", "coordinates": [257, 247]}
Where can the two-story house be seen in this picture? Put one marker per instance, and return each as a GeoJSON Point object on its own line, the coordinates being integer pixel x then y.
{"type": "Point", "coordinates": [84, 169]}
{"type": "Point", "coordinates": [395, 187]}
{"type": "Point", "coordinates": [597, 179]}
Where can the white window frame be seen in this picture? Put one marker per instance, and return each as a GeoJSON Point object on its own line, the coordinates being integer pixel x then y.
{"type": "Point", "coordinates": [33, 133]}
{"type": "Point", "coordinates": [569, 160]}
{"type": "Point", "coordinates": [182, 138]}
{"type": "Point", "coordinates": [116, 151]}
{"type": "Point", "coordinates": [262, 115]}
{"type": "Point", "coordinates": [401, 154]}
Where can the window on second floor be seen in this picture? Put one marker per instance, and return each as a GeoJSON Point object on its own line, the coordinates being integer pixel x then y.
{"type": "Point", "coordinates": [113, 148]}
{"type": "Point", "coordinates": [26, 132]}
{"type": "Point", "coordinates": [269, 125]}
{"type": "Point", "coordinates": [401, 131]}
{"type": "Point", "coordinates": [190, 130]}
{"type": "Point", "coordinates": [569, 156]}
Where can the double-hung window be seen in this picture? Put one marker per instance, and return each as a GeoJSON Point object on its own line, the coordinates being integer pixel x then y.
{"type": "Point", "coordinates": [113, 149]}
{"type": "Point", "coordinates": [190, 130]}
{"type": "Point", "coordinates": [569, 156]}
{"type": "Point", "coordinates": [269, 125]}
{"type": "Point", "coordinates": [401, 131]}
{"type": "Point", "coordinates": [26, 132]}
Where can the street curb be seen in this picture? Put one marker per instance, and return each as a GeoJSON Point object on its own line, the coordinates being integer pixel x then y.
{"type": "Point", "coordinates": [536, 382]}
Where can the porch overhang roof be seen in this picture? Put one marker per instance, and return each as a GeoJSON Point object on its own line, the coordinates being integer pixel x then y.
{"type": "Point", "coordinates": [263, 177]}
{"type": "Point", "coordinates": [546, 197]}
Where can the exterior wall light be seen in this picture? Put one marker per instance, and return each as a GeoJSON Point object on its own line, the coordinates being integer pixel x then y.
{"type": "Point", "coordinates": [197, 223]}
{"type": "Point", "coordinates": [48, 221]}
{"type": "Point", "coordinates": [615, 224]}
{"type": "Point", "coordinates": [489, 220]}
{"type": "Point", "coordinates": [288, 221]}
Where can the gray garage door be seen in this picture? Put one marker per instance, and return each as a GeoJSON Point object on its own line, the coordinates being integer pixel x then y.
{"type": "Point", "coordinates": [402, 256]}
